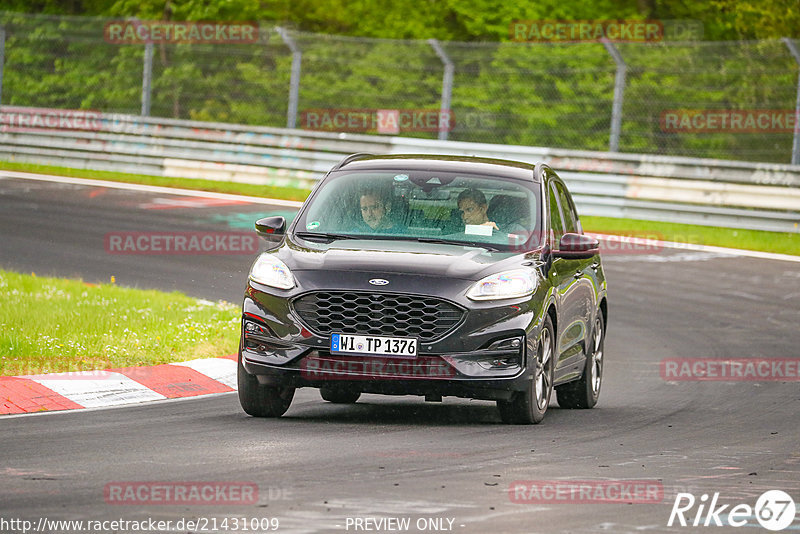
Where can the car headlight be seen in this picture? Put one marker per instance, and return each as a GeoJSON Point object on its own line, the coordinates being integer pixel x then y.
{"type": "Point", "coordinates": [271, 271]}
{"type": "Point", "coordinates": [505, 285]}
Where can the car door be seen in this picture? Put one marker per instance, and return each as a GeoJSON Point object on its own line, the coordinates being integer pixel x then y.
{"type": "Point", "coordinates": [563, 280]}
{"type": "Point", "coordinates": [585, 290]}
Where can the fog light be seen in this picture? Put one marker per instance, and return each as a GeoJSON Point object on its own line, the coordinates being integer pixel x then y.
{"type": "Point", "coordinates": [504, 354]}
{"type": "Point", "coordinates": [257, 346]}
{"type": "Point", "coordinates": [507, 344]}
{"type": "Point", "coordinates": [253, 328]}
{"type": "Point", "coordinates": [504, 362]}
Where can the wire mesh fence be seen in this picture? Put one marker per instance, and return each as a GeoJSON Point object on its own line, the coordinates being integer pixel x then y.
{"type": "Point", "coordinates": [731, 100]}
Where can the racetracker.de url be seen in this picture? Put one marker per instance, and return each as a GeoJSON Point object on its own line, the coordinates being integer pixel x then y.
{"type": "Point", "coordinates": [140, 526]}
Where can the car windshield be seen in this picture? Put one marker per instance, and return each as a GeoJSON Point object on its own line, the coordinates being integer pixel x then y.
{"type": "Point", "coordinates": [488, 211]}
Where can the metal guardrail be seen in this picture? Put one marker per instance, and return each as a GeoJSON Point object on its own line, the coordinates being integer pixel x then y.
{"type": "Point", "coordinates": [620, 106]}
{"type": "Point", "coordinates": [673, 189]}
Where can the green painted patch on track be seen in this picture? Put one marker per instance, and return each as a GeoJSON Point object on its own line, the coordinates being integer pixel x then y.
{"type": "Point", "coordinates": [247, 220]}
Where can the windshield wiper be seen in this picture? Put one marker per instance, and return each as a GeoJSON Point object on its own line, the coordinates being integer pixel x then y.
{"type": "Point", "coordinates": [323, 236]}
{"type": "Point", "coordinates": [333, 237]}
{"type": "Point", "coordinates": [486, 246]}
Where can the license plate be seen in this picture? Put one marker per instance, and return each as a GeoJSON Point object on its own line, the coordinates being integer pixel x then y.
{"type": "Point", "coordinates": [378, 345]}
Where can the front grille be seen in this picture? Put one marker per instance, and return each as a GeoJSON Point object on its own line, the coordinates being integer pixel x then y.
{"type": "Point", "coordinates": [377, 314]}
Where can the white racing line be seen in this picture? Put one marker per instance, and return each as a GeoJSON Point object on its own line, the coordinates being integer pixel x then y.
{"type": "Point", "coordinates": [712, 250]}
{"type": "Point", "coordinates": [147, 188]}
{"type": "Point", "coordinates": [681, 257]}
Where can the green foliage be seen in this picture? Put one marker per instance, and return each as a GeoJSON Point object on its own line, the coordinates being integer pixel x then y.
{"type": "Point", "coordinates": [462, 20]}
{"type": "Point", "coordinates": [760, 19]}
{"type": "Point", "coordinates": [557, 95]}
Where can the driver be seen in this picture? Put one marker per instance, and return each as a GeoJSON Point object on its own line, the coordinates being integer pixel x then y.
{"type": "Point", "coordinates": [375, 207]}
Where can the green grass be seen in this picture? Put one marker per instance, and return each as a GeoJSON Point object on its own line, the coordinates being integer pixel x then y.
{"type": "Point", "coordinates": [780, 242]}
{"type": "Point", "coordinates": [266, 191]}
{"type": "Point", "coordinates": [784, 243]}
{"type": "Point", "coordinates": [55, 325]}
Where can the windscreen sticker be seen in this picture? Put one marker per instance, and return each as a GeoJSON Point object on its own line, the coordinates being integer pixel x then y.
{"type": "Point", "coordinates": [478, 229]}
{"type": "Point", "coordinates": [313, 225]}
{"type": "Point", "coordinates": [401, 177]}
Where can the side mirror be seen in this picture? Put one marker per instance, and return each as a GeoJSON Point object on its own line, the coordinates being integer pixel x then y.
{"type": "Point", "coordinates": [577, 247]}
{"type": "Point", "coordinates": [272, 229]}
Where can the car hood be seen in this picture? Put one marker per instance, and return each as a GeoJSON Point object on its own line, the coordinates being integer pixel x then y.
{"type": "Point", "coordinates": [409, 257]}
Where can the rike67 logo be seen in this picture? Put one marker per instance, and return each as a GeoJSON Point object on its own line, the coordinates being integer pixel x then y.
{"type": "Point", "coordinates": [774, 510]}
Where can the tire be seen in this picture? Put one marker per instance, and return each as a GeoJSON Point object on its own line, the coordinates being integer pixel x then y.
{"type": "Point", "coordinates": [260, 400]}
{"type": "Point", "coordinates": [583, 393]}
{"type": "Point", "coordinates": [339, 395]}
{"type": "Point", "coordinates": [529, 406]}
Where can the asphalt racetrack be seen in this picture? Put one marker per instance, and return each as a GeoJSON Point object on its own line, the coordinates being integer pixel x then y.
{"type": "Point", "coordinates": [446, 467]}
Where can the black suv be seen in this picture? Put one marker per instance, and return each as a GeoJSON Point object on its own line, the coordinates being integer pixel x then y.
{"type": "Point", "coordinates": [432, 276]}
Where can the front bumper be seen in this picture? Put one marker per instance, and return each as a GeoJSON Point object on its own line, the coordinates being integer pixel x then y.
{"type": "Point", "coordinates": [388, 377]}
{"type": "Point", "coordinates": [487, 356]}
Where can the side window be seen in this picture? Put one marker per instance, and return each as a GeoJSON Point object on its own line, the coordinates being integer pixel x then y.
{"type": "Point", "coordinates": [571, 222]}
{"type": "Point", "coordinates": [556, 226]}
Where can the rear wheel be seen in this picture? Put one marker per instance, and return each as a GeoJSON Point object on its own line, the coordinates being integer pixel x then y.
{"type": "Point", "coordinates": [260, 400]}
{"type": "Point", "coordinates": [339, 395]}
{"type": "Point", "coordinates": [584, 393]}
{"type": "Point", "coordinates": [529, 406]}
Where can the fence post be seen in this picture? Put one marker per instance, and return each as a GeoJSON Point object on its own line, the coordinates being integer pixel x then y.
{"type": "Point", "coordinates": [447, 87]}
{"type": "Point", "coordinates": [619, 95]}
{"type": "Point", "coordinates": [294, 82]}
{"type": "Point", "coordinates": [796, 140]}
{"type": "Point", "coordinates": [2, 59]}
{"type": "Point", "coordinates": [147, 78]}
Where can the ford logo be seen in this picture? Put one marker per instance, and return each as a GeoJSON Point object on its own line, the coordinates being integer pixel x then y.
{"type": "Point", "coordinates": [378, 282]}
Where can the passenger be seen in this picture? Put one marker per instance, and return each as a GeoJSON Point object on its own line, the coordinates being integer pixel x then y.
{"type": "Point", "coordinates": [473, 207]}
{"type": "Point", "coordinates": [511, 213]}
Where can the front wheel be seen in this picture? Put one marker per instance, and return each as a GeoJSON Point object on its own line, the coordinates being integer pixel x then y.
{"type": "Point", "coordinates": [584, 393]}
{"type": "Point", "coordinates": [261, 400]}
{"type": "Point", "coordinates": [529, 406]}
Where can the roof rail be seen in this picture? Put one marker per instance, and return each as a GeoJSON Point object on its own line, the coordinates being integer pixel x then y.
{"type": "Point", "coordinates": [351, 158]}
